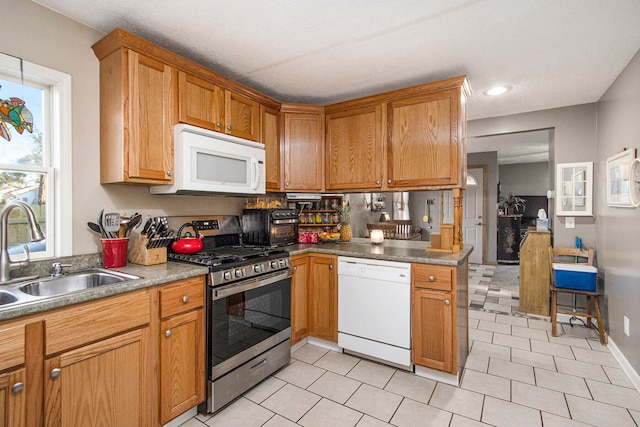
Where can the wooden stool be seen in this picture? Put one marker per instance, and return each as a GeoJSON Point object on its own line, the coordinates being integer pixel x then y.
{"type": "Point", "coordinates": [588, 314]}
{"type": "Point", "coordinates": [559, 255]}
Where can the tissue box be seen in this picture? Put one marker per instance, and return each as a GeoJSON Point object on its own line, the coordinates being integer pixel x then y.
{"type": "Point", "coordinates": [542, 224]}
{"type": "Point", "coordinates": [575, 276]}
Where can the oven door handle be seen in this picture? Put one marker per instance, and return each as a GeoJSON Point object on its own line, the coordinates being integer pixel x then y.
{"type": "Point", "coordinates": [226, 291]}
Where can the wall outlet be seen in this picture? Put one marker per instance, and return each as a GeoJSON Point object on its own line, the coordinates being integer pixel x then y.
{"type": "Point", "coordinates": [626, 326]}
{"type": "Point", "coordinates": [570, 222]}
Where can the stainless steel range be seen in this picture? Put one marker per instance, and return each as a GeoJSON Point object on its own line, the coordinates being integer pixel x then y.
{"type": "Point", "coordinates": [248, 308]}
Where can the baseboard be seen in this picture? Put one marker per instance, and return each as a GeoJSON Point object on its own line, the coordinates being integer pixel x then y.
{"type": "Point", "coordinates": [298, 345]}
{"type": "Point", "coordinates": [329, 345]}
{"type": "Point", "coordinates": [439, 376]}
{"type": "Point", "coordinates": [181, 419]}
{"type": "Point", "coordinates": [624, 363]}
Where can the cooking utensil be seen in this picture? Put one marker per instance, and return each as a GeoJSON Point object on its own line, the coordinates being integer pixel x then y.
{"type": "Point", "coordinates": [111, 223]}
{"type": "Point", "coordinates": [134, 222]}
{"type": "Point", "coordinates": [188, 244]}
{"type": "Point", "coordinates": [102, 231]}
{"type": "Point", "coordinates": [94, 227]}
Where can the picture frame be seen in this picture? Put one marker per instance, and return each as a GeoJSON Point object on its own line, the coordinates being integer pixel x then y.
{"type": "Point", "coordinates": [574, 189]}
{"type": "Point", "coordinates": [618, 179]}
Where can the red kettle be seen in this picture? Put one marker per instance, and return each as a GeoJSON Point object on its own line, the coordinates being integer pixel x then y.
{"type": "Point", "coordinates": [187, 244]}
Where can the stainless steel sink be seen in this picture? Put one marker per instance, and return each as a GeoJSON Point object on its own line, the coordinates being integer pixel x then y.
{"type": "Point", "coordinates": [73, 281]}
{"type": "Point", "coordinates": [7, 298]}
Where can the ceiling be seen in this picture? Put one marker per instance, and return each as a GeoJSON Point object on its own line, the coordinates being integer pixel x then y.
{"type": "Point", "coordinates": [552, 53]}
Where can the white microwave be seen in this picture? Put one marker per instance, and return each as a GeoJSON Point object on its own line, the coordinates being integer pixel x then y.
{"type": "Point", "coordinates": [213, 162]}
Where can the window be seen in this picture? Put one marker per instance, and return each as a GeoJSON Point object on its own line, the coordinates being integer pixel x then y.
{"type": "Point", "coordinates": [35, 154]}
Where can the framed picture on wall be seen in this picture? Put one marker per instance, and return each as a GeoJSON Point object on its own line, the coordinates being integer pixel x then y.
{"type": "Point", "coordinates": [574, 189]}
{"type": "Point", "coordinates": [618, 179]}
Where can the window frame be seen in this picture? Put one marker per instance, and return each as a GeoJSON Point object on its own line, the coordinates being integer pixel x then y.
{"type": "Point", "coordinates": [59, 151]}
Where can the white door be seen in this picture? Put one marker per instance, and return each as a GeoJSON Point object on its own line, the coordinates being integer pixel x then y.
{"type": "Point", "coordinates": [472, 221]}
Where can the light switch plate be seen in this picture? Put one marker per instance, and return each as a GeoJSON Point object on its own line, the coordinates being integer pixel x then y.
{"type": "Point", "coordinates": [570, 222]}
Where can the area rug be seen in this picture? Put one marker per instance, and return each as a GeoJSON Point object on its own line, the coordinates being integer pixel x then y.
{"type": "Point", "coordinates": [494, 288]}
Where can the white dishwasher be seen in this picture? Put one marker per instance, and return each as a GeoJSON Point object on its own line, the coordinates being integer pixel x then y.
{"type": "Point", "coordinates": [374, 308]}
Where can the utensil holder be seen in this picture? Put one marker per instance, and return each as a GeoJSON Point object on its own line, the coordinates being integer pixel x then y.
{"type": "Point", "coordinates": [140, 254]}
{"type": "Point", "coordinates": [114, 252]}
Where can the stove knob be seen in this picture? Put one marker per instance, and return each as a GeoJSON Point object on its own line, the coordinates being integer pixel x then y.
{"type": "Point", "coordinates": [257, 268]}
{"type": "Point", "coordinates": [281, 262]}
{"type": "Point", "coordinates": [238, 272]}
{"type": "Point", "coordinates": [227, 275]}
{"type": "Point", "coordinates": [274, 264]}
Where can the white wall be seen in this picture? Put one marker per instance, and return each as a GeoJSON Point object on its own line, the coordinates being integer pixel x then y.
{"type": "Point", "coordinates": [618, 229]}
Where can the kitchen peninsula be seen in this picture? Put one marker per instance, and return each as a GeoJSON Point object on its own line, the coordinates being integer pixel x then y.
{"type": "Point", "coordinates": [439, 288]}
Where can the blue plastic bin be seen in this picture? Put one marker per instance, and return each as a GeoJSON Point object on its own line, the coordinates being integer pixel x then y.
{"type": "Point", "coordinates": [575, 276]}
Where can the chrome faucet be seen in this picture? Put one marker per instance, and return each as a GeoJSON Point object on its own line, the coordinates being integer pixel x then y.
{"type": "Point", "coordinates": [6, 265]}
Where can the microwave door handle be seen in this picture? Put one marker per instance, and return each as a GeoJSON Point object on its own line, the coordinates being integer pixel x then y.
{"type": "Point", "coordinates": [255, 172]}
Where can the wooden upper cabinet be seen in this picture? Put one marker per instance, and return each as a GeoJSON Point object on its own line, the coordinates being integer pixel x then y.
{"type": "Point", "coordinates": [136, 119]}
{"type": "Point", "coordinates": [353, 146]}
{"type": "Point", "coordinates": [200, 103]}
{"type": "Point", "coordinates": [423, 145]}
{"type": "Point", "coordinates": [303, 150]}
{"type": "Point", "coordinates": [270, 137]}
{"type": "Point", "coordinates": [207, 105]}
{"type": "Point", "coordinates": [242, 116]}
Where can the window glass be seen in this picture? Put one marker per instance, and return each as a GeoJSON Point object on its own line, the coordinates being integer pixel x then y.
{"type": "Point", "coordinates": [24, 159]}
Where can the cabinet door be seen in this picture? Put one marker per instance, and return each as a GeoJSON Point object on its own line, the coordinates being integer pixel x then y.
{"type": "Point", "coordinates": [303, 136]}
{"type": "Point", "coordinates": [200, 103]}
{"type": "Point", "coordinates": [12, 399]}
{"type": "Point", "coordinates": [323, 298]}
{"type": "Point", "coordinates": [299, 329]}
{"type": "Point", "coordinates": [422, 142]}
{"type": "Point", "coordinates": [182, 372]}
{"type": "Point", "coordinates": [270, 137]}
{"type": "Point", "coordinates": [432, 329]}
{"type": "Point", "coordinates": [106, 383]}
{"type": "Point", "coordinates": [242, 116]}
{"type": "Point", "coordinates": [354, 149]}
{"type": "Point", "coordinates": [150, 148]}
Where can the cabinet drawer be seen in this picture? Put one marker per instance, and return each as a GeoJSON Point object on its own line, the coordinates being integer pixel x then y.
{"type": "Point", "coordinates": [81, 324]}
{"type": "Point", "coordinates": [11, 345]}
{"type": "Point", "coordinates": [181, 296]}
{"type": "Point", "coordinates": [432, 276]}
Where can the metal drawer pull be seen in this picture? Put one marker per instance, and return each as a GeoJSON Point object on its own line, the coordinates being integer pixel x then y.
{"type": "Point", "coordinates": [185, 299]}
{"type": "Point", "coordinates": [55, 372]}
{"type": "Point", "coordinates": [257, 365]}
{"type": "Point", "coordinates": [168, 333]}
{"type": "Point", "coordinates": [17, 387]}
{"type": "Point", "coordinates": [432, 279]}
{"type": "Point", "coordinates": [446, 302]}
{"type": "Point", "coordinates": [330, 266]}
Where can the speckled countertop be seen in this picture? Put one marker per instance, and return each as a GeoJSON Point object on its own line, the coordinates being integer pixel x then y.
{"type": "Point", "coordinates": [149, 276]}
{"type": "Point", "coordinates": [389, 250]}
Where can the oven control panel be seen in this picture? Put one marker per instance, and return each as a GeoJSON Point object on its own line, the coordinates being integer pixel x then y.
{"type": "Point", "coordinates": [254, 269]}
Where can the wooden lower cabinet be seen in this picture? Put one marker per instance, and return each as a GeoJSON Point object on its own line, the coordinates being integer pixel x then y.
{"type": "Point", "coordinates": [299, 282]}
{"type": "Point", "coordinates": [13, 398]}
{"type": "Point", "coordinates": [433, 317]}
{"type": "Point", "coordinates": [104, 383]}
{"type": "Point", "coordinates": [182, 348]}
{"type": "Point", "coordinates": [134, 359]}
{"type": "Point", "coordinates": [322, 300]}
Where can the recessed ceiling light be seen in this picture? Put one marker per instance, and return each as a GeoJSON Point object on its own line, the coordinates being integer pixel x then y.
{"type": "Point", "coordinates": [497, 90]}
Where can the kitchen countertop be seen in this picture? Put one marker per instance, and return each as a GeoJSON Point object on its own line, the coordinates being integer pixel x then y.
{"type": "Point", "coordinates": [152, 275]}
{"type": "Point", "coordinates": [389, 250]}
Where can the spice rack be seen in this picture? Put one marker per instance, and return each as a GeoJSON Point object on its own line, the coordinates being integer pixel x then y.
{"type": "Point", "coordinates": [320, 214]}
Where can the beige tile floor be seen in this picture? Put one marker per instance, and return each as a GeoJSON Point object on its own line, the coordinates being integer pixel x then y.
{"type": "Point", "coordinates": [516, 375]}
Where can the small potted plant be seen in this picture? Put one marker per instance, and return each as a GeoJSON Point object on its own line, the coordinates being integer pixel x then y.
{"type": "Point", "coordinates": [511, 205]}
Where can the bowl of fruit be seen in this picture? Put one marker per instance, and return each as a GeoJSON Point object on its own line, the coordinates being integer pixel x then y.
{"type": "Point", "coordinates": [329, 237]}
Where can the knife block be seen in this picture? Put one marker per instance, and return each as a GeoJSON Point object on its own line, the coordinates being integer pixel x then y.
{"type": "Point", "coordinates": [140, 254]}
